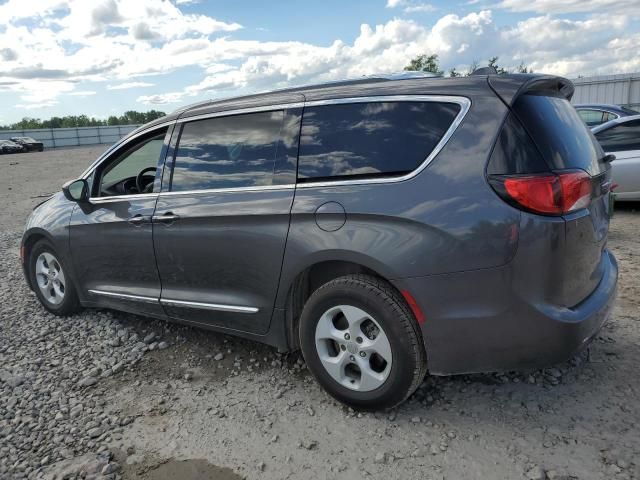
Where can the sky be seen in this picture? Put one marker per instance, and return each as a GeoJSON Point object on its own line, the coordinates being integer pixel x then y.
{"type": "Point", "coordinates": [103, 57]}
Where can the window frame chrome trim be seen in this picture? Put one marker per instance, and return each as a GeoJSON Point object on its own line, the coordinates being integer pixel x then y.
{"type": "Point", "coordinates": [124, 296]}
{"type": "Point", "coordinates": [288, 186]}
{"type": "Point", "coordinates": [463, 102]}
{"type": "Point", "coordinates": [123, 141]}
{"type": "Point", "coordinates": [603, 110]}
{"type": "Point", "coordinates": [219, 307]}
{"type": "Point", "coordinates": [119, 198]}
{"type": "Point", "coordinates": [241, 111]}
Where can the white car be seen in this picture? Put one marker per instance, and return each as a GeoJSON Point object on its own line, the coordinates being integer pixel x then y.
{"type": "Point", "coordinates": [621, 137]}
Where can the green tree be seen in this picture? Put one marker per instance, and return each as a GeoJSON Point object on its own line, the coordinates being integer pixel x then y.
{"type": "Point", "coordinates": [472, 68]}
{"type": "Point", "coordinates": [493, 62]}
{"type": "Point", "coordinates": [454, 73]}
{"type": "Point", "coordinates": [425, 63]}
{"type": "Point", "coordinates": [71, 121]}
{"type": "Point", "coordinates": [522, 68]}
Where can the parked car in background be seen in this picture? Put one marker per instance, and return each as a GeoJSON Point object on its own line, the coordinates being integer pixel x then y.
{"type": "Point", "coordinates": [384, 227]}
{"type": "Point", "coordinates": [29, 143]}
{"type": "Point", "coordinates": [598, 113]}
{"type": "Point", "coordinates": [7, 146]}
{"type": "Point", "coordinates": [621, 137]}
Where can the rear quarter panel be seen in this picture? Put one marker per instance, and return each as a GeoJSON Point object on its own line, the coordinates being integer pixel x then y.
{"type": "Point", "coordinates": [446, 219]}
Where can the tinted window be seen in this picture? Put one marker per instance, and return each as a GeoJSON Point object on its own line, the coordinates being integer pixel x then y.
{"type": "Point", "coordinates": [561, 136]}
{"type": "Point", "coordinates": [369, 139]}
{"type": "Point", "coordinates": [625, 136]}
{"type": "Point", "coordinates": [591, 117]}
{"type": "Point", "coordinates": [515, 152]}
{"type": "Point", "coordinates": [227, 152]}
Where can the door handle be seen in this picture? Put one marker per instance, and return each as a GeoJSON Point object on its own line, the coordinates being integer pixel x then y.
{"type": "Point", "coordinates": [139, 220]}
{"type": "Point", "coordinates": [168, 218]}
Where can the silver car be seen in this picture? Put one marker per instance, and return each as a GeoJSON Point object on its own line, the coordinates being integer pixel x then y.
{"type": "Point", "coordinates": [621, 137]}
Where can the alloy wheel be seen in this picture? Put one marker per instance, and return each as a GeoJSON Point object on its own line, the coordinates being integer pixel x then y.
{"type": "Point", "coordinates": [353, 348]}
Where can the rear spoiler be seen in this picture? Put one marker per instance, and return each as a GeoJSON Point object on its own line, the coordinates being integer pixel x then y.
{"type": "Point", "coordinates": [510, 87]}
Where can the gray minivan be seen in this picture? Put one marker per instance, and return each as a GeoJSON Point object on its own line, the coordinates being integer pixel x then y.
{"type": "Point", "coordinates": [386, 227]}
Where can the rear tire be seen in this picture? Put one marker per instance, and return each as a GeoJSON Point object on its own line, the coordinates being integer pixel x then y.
{"type": "Point", "coordinates": [362, 343]}
{"type": "Point", "coordinates": [51, 281]}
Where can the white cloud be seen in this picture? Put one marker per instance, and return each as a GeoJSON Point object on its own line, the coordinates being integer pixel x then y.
{"type": "Point", "coordinates": [411, 6]}
{"type": "Point", "coordinates": [160, 99]}
{"type": "Point", "coordinates": [126, 85]}
{"type": "Point", "coordinates": [420, 8]}
{"type": "Point", "coordinates": [82, 93]}
{"type": "Point", "coordinates": [123, 43]}
{"type": "Point", "coordinates": [572, 6]}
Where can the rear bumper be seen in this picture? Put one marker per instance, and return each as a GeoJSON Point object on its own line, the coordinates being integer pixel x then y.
{"type": "Point", "coordinates": [476, 322]}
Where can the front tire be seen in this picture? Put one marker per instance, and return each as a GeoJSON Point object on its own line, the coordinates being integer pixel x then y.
{"type": "Point", "coordinates": [362, 343]}
{"type": "Point", "coordinates": [51, 282]}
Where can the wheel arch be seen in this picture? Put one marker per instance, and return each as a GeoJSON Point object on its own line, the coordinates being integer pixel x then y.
{"type": "Point", "coordinates": [309, 279]}
{"type": "Point", "coordinates": [29, 239]}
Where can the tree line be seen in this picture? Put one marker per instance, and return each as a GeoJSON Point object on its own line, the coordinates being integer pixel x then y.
{"type": "Point", "coordinates": [130, 117]}
{"type": "Point", "coordinates": [430, 63]}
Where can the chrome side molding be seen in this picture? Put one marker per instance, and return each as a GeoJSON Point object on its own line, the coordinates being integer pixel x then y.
{"type": "Point", "coordinates": [177, 303]}
{"type": "Point", "coordinates": [125, 296]}
{"type": "Point", "coordinates": [209, 306]}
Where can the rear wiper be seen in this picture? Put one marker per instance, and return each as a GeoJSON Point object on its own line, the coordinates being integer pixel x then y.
{"type": "Point", "coordinates": [608, 158]}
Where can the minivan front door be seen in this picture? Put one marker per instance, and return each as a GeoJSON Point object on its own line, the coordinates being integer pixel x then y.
{"type": "Point", "coordinates": [111, 236]}
{"type": "Point", "coordinates": [221, 222]}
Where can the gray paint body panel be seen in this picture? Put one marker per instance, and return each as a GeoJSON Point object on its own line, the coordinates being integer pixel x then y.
{"type": "Point", "coordinates": [482, 271]}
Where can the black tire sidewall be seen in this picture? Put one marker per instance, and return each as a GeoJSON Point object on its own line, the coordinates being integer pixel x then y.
{"type": "Point", "coordinates": [401, 376]}
{"type": "Point", "coordinates": [70, 303]}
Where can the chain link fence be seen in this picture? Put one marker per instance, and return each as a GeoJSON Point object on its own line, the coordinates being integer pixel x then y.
{"type": "Point", "coordinates": [72, 137]}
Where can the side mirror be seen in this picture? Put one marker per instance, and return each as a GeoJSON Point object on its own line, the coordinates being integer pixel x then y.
{"type": "Point", "coordinates": [76, 190]}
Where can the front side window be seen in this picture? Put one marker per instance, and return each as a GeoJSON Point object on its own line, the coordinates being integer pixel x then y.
{"type": "Point", "coordinates": [227, 152]}
{"type": "Point", "coordinates": [623, 137]}
{"type": "Point", "coordinates": [359, 140]}
{"type": "Point", "coordinates": [133, 170]}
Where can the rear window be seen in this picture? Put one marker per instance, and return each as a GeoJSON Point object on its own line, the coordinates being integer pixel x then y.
{"type": "Point", "coordinates": [360, 140]}
{"type": "Point", "coordinates": [561, 136]}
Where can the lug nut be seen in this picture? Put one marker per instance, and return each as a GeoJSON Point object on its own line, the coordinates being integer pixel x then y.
{"type": "Point", "coordinates": [347, 336]}
{"type": "Point", "coordinates": [363, 354]}
{"type": "Point", "coordinates": [359, 339]}
{"type": "Point", "coordinates": [343, 348]}
{"type": "Point", "coordinates": [352, 358]}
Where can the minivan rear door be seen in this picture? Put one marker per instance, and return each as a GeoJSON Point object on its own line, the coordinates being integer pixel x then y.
{"type": "Point", "coordinates": [222, 218]}
{"type": "Point", "coordinates": [566, 144]}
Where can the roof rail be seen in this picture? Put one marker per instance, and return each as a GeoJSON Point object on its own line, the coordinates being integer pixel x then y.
{"type": "Point", "coordinates": [485, 71]}
{"type": "Point", "coordinates": [406, 75]}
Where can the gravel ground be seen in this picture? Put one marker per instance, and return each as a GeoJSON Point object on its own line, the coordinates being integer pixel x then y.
{"type": "Point", "coordinates": [110, 395]}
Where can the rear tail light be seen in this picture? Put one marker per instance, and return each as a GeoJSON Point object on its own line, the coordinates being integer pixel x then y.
{"type": "Point", "coordinates": [550, 194]}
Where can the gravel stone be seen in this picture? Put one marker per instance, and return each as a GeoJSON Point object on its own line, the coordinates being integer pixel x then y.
{"type": "Point", "coordinates": [87, 382]}
{"type": "Point", "coordinates": [52, 423]}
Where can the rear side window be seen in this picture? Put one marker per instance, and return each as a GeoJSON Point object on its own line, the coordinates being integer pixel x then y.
{"type": "Point", "coordinates": [359, 140]}
{"type": "Point", "coordinates": [622, 137]}
{"type": "Point", "coordinates": [227, 152]}
{"type": "Point", "coordinates": [559, 133]}
{"type": "Point", "coordinates": [514, 152]}
{"type": "Point", "coordinates": [592, 117]}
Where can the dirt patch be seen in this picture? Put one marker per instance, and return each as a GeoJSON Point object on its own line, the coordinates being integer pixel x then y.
{"type": "Point", "coordinates": [178, 469]}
